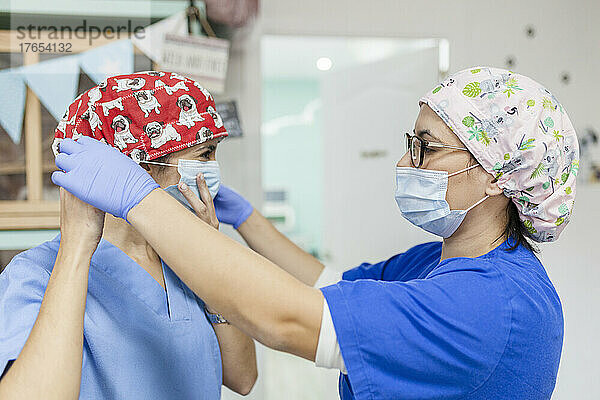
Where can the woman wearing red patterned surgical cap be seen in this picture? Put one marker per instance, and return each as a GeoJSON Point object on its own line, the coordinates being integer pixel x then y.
{"type": "Point", "coordinates": [490, 167]}
{"type": "Point", "coordinates": [96, 313]}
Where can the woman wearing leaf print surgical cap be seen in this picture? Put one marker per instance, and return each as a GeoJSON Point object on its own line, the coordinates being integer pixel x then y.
{"type": "Point", "coordinates": [490, 167]}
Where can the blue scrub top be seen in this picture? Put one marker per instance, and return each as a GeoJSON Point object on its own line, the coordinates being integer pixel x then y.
{"type": "Point", "coordinates": [413, 327]}
{"type": "Point", "coordinates": [140, 342]}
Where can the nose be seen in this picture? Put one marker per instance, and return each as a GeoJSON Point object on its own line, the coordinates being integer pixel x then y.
{"type": "Point", "coordinates": [405, 160]}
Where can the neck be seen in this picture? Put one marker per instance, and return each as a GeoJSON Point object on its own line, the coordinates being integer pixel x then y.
{"type": "Point", "coordinates": [119, 233]}
{"type": "Point", "coordinates": [477, 234]}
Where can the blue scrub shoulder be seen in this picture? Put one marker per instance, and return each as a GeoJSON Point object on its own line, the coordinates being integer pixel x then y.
{"type": "Point", "coordinates": [41, 257]}
{"type": "Point", "coordinates": [415, 263]}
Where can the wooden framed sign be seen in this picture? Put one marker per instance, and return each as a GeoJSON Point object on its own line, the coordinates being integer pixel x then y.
{"type": "Point", "coordinates": [201, 58]}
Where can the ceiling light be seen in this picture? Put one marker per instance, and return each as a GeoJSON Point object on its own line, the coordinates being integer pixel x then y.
{"type": "Point", "coordinates": [324, 64]}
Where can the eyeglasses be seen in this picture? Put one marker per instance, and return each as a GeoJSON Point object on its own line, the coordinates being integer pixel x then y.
{"type": "Point", "coordinates": [418, 146]}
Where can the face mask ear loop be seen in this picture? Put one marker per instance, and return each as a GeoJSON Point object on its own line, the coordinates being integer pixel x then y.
{"type": "Point", "coordinates": [159, 163]}
{"type": "Point", "coordinates": [476, 204]}
{"type": "Point", "coordinates": [463, 170]}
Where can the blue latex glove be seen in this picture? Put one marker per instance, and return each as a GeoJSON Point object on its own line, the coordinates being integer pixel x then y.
{"type": "Point", "coordinates": [231, 208]}
{"type": "Point", "coordinates": [101, 175]}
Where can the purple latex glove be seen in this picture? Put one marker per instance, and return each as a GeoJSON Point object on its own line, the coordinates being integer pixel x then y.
{"type": "Point", "coordinates": [101, 175]}
{"type": "Point", "coordinates": [231, 208]}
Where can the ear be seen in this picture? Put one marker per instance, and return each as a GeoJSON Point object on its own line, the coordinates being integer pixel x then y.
{"type": "Point", "coordinates": [153, 170]}
{"type": "Point", "coordinates": [147, 167]}
{"type": "Point", "coordinates": [492, 188]}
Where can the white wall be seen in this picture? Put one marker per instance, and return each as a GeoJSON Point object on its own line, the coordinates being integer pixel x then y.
{"type": "Point", "coordinates": [572, 264]}
{"type": "Point", "coordinates": [479, 32]}
{"type": "Point", "coordinates": [486, 32]}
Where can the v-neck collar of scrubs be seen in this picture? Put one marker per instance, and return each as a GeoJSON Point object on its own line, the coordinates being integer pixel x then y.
{"type": "Point", "coordinates": [170, 302]}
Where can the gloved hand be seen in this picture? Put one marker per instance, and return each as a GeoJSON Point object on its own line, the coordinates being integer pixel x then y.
{"type": "Point", "coordinates": [231, 208]}
{"type": "Point", "coordinates": [101, 175]}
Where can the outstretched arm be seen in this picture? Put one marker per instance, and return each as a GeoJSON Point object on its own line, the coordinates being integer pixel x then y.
{"type": "Point", "coordinates": [262, 237]}
{"type": "Point", "coordinates": [238, 353]}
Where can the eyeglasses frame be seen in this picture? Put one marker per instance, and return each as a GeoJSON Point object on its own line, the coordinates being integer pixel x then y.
{"type": "Point", "coordinates": [424, 145]}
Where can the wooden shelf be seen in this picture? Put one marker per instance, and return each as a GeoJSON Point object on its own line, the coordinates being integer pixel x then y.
{"type": "Point", "coordinates": [29, 215]}
{"type": "Point", "coordinates": [19, 168]}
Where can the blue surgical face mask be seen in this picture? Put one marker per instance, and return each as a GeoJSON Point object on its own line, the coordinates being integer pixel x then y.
{"type": "Point", "coordinates": [189, 169]}
{"type": "Point", "coordinates": [421, 198]}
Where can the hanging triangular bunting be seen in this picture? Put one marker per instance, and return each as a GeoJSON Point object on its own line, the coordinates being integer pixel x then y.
{"type": "Point", "coordinates": [12, 103]}
{"type": "Point", "coordinates": [54, 82]}
{"type": "Point", "coordinates": [112, 59]}
{"type": "Point", "coordinates": [152, 42]}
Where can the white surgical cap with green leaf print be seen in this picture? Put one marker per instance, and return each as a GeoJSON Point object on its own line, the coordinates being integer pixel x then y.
{"type": "Point", "coordinates": [520, 133]}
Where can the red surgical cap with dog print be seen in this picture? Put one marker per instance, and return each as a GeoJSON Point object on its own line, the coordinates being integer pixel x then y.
{"type": "Point", "coordinates": [146, 115]}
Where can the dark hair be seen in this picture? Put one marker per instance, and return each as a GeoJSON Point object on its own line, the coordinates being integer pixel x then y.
{"type": "Point", "coordinates": [514, 229]}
